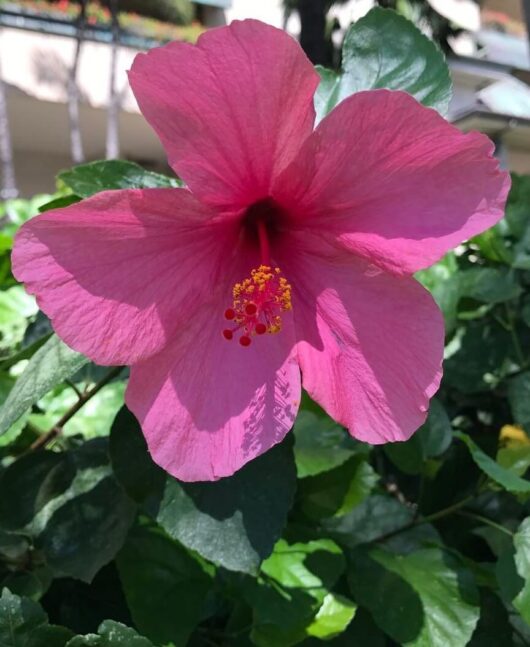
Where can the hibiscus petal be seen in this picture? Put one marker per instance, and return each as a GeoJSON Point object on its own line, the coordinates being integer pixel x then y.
{"type": "Point", "coordinates": [208, 406]}
{"type": "Point", "coordinates": [394, 182]}
{"type": "Point", "coordinates": [119, 273]}
{"type": "Point", "coordinates": [370, 344]}
{"type": "Point", "coordinates": [232, 111]}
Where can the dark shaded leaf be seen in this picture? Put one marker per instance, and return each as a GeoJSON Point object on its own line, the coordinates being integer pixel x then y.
{"type": "Point", "coordinates": [164, 585]}
{"type": "Point", "coordinates": [320, 444]}
{"type": "Point", "coordinates": [519, 398]}
{"type": "Point", "coordinates": [140, 477]}
{"type": "Point", "coordinates": [424, 598]}
{"type": "Point", "coordinates": [236, 521]}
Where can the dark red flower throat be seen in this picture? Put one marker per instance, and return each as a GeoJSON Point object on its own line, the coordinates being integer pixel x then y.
{"type": "Point", "coordinates": [259, 299]}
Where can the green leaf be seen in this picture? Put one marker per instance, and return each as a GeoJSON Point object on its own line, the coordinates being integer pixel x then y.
{"type": "Point", "coordinates": [59, 203]}
{"type": "Point", "coordinates": [443, 281]}
{"type": "Point", "coordinates": [437, 433]}
{"type": "Point", "coordinates": [492, 246]}
{"type": "Point", "coordinates": [111, 634]}
{"type": "Point", "coordinates": [338, 491]}
{"type": "Point", "coordinates": [490, 284]}
{"type": "Point", "coordinates": [31, 483]}
{"type": "Point", "coordinates": [320, 444]}
{"type": "Point", "coordinates": [519, 398]}
{"type": "Point", "coordinates": [30, 584]}
{"type": "Point", "coordinates": [385, 50]}
{"type": "Point", "coordinates": [23, 623]}
{"type": "Point", "coordinates": [292, 590]}
{"type": "Point", "coordinates": [522, 563]}
{"type": "Point", "coordinates": [504, 477]}
{"type": "Point", "coordinates": [328, 92]}
{"type": "Point", "coordinates": [407, 456]}
{"type": "Point", "coordinates": [515, 458]}
{"type": "Point", "coordinates": [15, 307]}
{"type": "Point", "coordinates": [52, 364]}
{"type": "Point", "coordinates": [375, 517]}
{"type": "Point", "coordinates": [361, 632]}
{"type": "Point", "coordinates": [517, 211]}
{"type": "Point", "coordinates": [245, 513]}
{"type": "Point", "coordinates": [313, 567]}
{"type": "Point", "coordinates": [480, 358]}
{"type": "Point", "coordinates": [70, 505]}
{"type": "Point", "coordinates": [140, 477]}
{"type": "Point", "coordinates": [24, 353]}
{"type": "Point", "coordinates": [333, 617]}
{"type": "Point", "coordinates": [432, 439]}
{"type": "Point", "coordinates": [424, 599]}
{"type": "Point", "coordinates": [493, 629]}
{"type": "Point", "coordinates": [87, 179]}
{"type": "Point", "coordinates": [164, 585]}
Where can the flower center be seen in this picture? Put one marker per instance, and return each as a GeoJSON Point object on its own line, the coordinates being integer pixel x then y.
{"type": "Point", "coordinates": [258, 303]}
{"type": "Point", "coordinates": [260, 299]}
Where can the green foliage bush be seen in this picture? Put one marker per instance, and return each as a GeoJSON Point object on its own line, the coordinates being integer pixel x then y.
{"type": "Point", "coordinates": [419, 543]}
{"type": "Point", "coordinates": [179, 12]}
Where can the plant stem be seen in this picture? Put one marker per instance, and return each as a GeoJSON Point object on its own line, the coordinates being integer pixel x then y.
{"type": "Point", "coordinates": [486, 521]}
{"type": "Point", "coordinates": [431, 517]}
{"type": "Point", "coordinates": [57, 429]}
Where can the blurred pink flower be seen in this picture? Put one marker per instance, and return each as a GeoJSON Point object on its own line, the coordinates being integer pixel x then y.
{"type": "Point", "coordinates": [332, 222]}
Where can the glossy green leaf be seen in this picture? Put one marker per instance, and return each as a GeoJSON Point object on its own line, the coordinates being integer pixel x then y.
{"type": "Point", "coordinates": [519, 398]}
{"type": "Point", "coordinates": [385, 50]}
{"type": "Point", "coordinates": [424, 599]}
{"type": "Point", "coordinates": [329, 91]}
{"type": "Point", "coordinates": [87, 179]}
{"type": "Point", "coordinates": [111, 634]}
{"type": "Point", "coordinates": [313, 567]}
{"type": "Point", "coordinates": [164, 585]}
{"type": "Point", "coordinates": [23, 623]}
{"type": "Point", "coordinates": [236, 521]}
{"type": "Point", "coordinates": [53, 363]}
{"type": "Point", "coordinates": [292, 590]}
{"type": "Point", "coordinates": [320, 444]}
{"type": "Point", "coordinates": [333, 617]}
{"type": "Point", "coordinates": [506, 478]}
{"type": "Point", "coordinates": [59, 203]}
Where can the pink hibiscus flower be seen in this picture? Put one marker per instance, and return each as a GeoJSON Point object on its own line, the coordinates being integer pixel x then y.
{"type": "Point", "coordinates": [286, 262]}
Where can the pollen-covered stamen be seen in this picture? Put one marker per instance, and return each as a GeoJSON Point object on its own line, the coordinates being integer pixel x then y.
{"type": "Point", "coordinates": [259, 301]}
